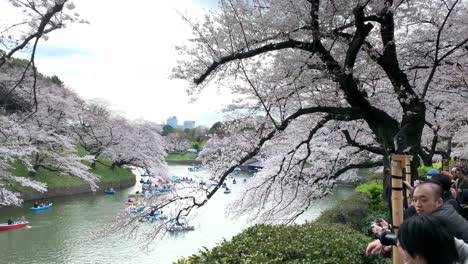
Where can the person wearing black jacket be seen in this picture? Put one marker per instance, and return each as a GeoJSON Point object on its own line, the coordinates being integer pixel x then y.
{"type": "Point", "coordinates": [427, 200]}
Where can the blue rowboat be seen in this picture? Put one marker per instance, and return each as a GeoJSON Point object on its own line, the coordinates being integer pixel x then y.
{"type": "Point", "coordinates": [41, 208]}
{"type": "Point", "coordinates": [227, 191]}
{"type": "Point", "coordinates": [109, 192]}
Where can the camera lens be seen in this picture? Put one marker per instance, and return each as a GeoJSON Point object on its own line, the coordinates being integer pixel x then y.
{"type": "Point", "coordinates": [387, 238]}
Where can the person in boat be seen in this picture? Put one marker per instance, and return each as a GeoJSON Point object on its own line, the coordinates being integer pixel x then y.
{"type": "Point", "coordinates": [111, 189]}
{"type": "Point", "coordinates": [22, 219]}
{"type": "Point", "coordinates": [142, 181]}
{"type": "Point", "coordinates": [129, 200]}
{"type": "Point", "coordinates": [36, 204]}
{"type": "Point", "coordinates": [234, 181]}
{"type": "Point", "coordinates": [10, 222]}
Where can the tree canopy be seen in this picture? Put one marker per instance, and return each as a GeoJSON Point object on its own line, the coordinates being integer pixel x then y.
{"type": "Point", "coordinates": [336, 82]}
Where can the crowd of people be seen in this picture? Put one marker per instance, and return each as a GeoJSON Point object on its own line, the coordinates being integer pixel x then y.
{"type": "Point", "coordinates": [435, 226]}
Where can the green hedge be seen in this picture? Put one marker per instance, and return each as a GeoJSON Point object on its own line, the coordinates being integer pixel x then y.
{"type": "Point", "coordinates": [374, 191]}
{"type": "Point", "coordinates": [182, 156]}
{"type": "Point", "coordinates": [350, 212]}
{"type": "Point", "coordinates": [307, 243]}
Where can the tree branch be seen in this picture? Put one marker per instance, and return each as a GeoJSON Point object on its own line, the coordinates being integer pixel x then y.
{"type": "Point", "coordinates": [353, 143]}
{"type": "Point", "coordinates": [364, 165]}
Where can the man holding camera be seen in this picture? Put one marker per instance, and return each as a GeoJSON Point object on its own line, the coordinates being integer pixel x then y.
{"type": "Point", "coordinates": [427, 200]}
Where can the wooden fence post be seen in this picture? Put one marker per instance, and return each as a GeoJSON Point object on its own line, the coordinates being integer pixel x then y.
{"type": "Point", "coordinates": [397, 163]}
{"type": "Point", "coordinates": [408, 159]}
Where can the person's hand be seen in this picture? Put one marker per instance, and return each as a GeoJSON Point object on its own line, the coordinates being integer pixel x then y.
{"type": "Point", "coordinates": [376, 228]}
{"type": "Point", "coordinates": [408, 185]}
{"type": "Point", "coordinates": [374, 248]}
{"type": "Point", "coordinates": [384, 223]}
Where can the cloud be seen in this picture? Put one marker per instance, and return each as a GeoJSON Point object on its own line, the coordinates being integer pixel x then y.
{"type": "Point", "coordinates": [60, 51]}
{"type": "Point", "coordinates": [125, 56]}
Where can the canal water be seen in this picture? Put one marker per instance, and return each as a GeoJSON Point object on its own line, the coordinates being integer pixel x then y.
{"type": "Point", "coordinates": [62, 234]}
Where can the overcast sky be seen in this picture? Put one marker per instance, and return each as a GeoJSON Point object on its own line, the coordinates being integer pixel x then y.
{"type": "Point", "coordinates": [125, 55]}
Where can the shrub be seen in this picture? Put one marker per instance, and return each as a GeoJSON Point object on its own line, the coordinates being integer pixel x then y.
{"type": "Point", "coordinates": [307, 243]}
{"type": "Point", "coordinates": [350, 212]}
{"type": "Point", "coordinates": [424, 169]}
{"type": "Point", "coordinates": [374, 191]}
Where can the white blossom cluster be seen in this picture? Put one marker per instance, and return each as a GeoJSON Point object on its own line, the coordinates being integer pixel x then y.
{"type": "Point", "coordinates": [266, 53]}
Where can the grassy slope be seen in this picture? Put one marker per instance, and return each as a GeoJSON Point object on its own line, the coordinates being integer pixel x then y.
{"type": "Point", "coordinates": [53, 179]}
{"type": "Point", "coordinates": [182, 156]}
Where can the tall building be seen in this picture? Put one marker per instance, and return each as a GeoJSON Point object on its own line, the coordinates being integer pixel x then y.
{"type": "Point", "coordinates": [189, 124]}
{"type": "Point", "coordinates": [172, 121]}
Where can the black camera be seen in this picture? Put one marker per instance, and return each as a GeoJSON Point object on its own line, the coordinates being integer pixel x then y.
{"type": "Point", "coordinates": [387, 238]}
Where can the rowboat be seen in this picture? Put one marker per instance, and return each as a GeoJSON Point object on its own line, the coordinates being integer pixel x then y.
{"type": "Point", "coordinates": [41, 207]}
{"type": "Point", "coordinates": [227, 191]}
{"type": "Point", "coordinates": [131, 203]}
{"type": "Point", "coordinates": [109, 191]}
{"type": "Point", "coordinates": [6, 226]}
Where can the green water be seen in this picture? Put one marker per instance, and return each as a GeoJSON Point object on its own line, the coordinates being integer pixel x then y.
{"type": "Point", "coordinates": [61, 234]}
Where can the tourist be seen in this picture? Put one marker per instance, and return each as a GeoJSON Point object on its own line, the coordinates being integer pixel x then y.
{"type": "Point", "coordinates": [427, 199]}
{"type": "Point", "coordinates": [36, 204]}
{"type": "Point", "coordinates": [428, 239]}
{"type": "Point", "coordinates": [10, 222]}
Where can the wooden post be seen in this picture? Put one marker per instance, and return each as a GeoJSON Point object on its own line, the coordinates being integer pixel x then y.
{"type": "Point", "coordinates": [397, 163]}
{"type": "Point", "coordinates": [446, 165]}
{"type": "Point", "coordinates": [408, 159]}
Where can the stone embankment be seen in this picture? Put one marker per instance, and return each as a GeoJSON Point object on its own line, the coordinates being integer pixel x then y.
{"type": "Point", "coordinates": [75, 189]}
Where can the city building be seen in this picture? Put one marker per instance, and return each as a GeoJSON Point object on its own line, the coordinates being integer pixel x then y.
{"type": "Point", "coordinates": [189, 124]}
{"type": "Point", "coordinates": [172, 121]}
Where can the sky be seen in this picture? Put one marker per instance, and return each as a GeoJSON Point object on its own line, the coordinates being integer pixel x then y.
{"type": "Point", "coordinates": [125, 56]}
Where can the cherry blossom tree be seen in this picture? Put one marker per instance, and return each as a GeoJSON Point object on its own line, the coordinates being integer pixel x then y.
{"type": "Point", "coordinates": [175, 142]}
{"type": "Point", "coordinates": [336, 82]}
{"type": "Point", "coordinates": [34, 20]}
{"type": "Point", "coordinates": [36, 130]}
{"type": "Point", "coordinates": [95, 129]}
{"type": "Point", "coordinates": [139, 145]}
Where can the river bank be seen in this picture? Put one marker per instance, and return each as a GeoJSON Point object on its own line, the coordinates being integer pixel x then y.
{"type": "Point", "coordinates": [65, 185]}
{"type": "Point", "coordinates": [30, 194]}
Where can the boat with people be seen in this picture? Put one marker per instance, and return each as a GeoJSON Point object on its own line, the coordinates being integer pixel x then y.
{"type": "Point", "coordinates": [16, 224]}
{"type": "Point", "coordinates": [133, 210]}
{"type": "Point", "coordinates": [109, 191]}
{"type": "Point", "coordinates": [180, 225]}
{"type": "Point", "coordinates": [194, 169]}
{"type": "Point", "coordinates": [41, 207]}
{"type": "Point", "coordinates": [227, 191]}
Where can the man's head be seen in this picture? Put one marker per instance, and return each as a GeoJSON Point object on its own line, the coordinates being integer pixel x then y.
{"type": "Point", "coordinates": [459, 173]}
{"type": "Point", "coordinates": [427, 197]}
